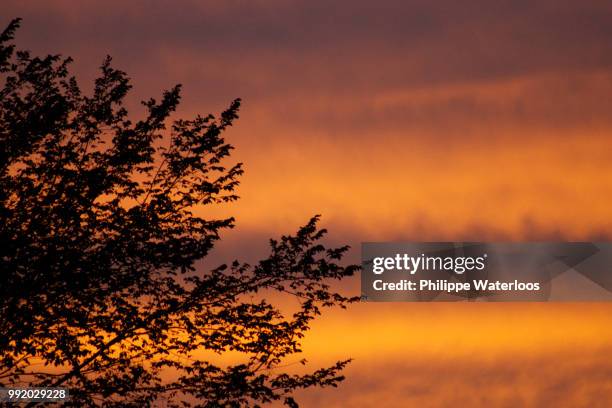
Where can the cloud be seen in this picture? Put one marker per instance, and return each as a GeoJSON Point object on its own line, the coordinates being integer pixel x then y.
{"type": "Point", "coordinates": [414, 120]}
{"type": "Point", "coordinates": [559, 378]}
{"type": "Point", "coordinates": [395, 44]}
{"type": "Point", "coordinates": [399, 120]}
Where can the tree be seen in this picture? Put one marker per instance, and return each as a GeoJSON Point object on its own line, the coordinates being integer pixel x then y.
{"type": "Point", "coordinates": [99, 231]}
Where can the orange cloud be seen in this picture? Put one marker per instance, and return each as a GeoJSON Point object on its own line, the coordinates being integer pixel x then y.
{"type": "Point", "coordinates": [408, 120]}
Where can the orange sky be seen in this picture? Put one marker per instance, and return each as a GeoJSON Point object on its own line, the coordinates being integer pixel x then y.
{"type": "Point", "coordinates": [397, 120]}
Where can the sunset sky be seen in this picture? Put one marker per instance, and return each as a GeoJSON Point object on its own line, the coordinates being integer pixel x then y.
{"type": "Point", "coordinates": [395, 120]}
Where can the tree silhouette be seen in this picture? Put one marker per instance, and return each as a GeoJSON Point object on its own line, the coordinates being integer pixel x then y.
{"type": "Point", "coordinates": [99, 235]}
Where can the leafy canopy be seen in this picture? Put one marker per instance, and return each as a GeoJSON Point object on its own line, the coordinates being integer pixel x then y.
{"type": "Point", "coordinates": [100, 227]}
